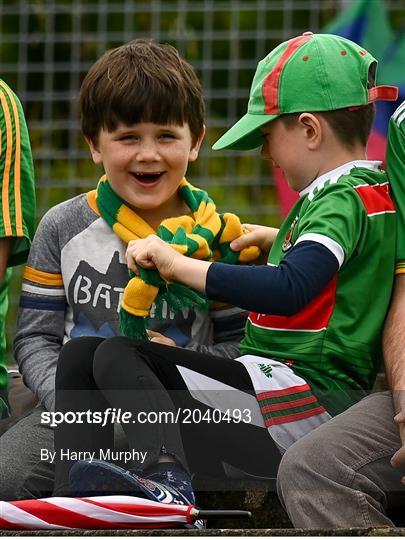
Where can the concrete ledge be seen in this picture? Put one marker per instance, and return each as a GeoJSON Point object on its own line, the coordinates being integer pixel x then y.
{"type": "Point", "coordinates": [264, 505]}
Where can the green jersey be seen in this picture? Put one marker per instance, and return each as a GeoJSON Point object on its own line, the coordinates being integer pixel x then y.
{"type": "Point", "coordinates": [396, 176]}
{"type": "Point", "coordinates": [17, 208]}
{"type": "Point", "coordinates": [334, 343]}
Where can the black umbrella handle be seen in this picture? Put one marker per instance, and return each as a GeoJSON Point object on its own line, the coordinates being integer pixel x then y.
{"type": "Point", "coordinates": [205, 514]}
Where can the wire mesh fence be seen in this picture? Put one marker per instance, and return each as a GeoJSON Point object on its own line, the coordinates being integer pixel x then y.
{"type": "Point", "coordinates": [47, 47]}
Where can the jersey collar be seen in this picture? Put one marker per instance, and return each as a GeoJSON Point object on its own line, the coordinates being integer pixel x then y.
{"type": "Point", "coordinates": [334, 175]}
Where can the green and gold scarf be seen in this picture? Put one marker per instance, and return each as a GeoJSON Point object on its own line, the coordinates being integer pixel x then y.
{"type": "Point", "coordinates": [204, 234]}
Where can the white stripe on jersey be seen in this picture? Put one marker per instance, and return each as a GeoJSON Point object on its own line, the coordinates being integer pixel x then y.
{"type": "Point", "coordinates": [384, 212]}
{"type": "Point", "coordinates": [273, 328]}
{"type": "Point", "coordinates": [330, 244]}
{"type": "Point", "coordinates": [398, 112]}
{"type": "Point", "coordinates": [400, 118]}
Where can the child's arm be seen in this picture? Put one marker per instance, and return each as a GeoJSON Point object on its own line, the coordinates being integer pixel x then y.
{"type": "Point", "coordinates": [280, 290]}
{"type": "Point", "coordinates": [40, 327]}
{"type": "Point", "coordinates": [17, 217]}
{"type": "Point", "coordinates": [394, 330]}
{"type": "Point", "coordinates": [5, 250]}
{"type": "Point", "coordinates": [394, 360]}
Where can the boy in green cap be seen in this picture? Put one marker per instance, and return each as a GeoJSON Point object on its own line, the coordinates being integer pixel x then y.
{"type": "Point", "coordinates": [325, 478]}
{"type": "Point", "coordinates": [313, 338]}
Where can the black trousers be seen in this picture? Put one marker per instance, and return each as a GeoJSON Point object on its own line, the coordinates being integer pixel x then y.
{"type": "Point", "coordinates": [146, 379]}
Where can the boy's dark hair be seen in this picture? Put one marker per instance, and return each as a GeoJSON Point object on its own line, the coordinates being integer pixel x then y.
{"type": "Point", "coordinates": [140, 81]}
{"type": "Point", "coordinates": [351, 125]}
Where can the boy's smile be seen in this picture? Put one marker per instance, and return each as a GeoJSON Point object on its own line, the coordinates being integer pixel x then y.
{"type": "Point", "coordinates": [145, 164]}
{"type": "Point", "coordinates": [147, 179]}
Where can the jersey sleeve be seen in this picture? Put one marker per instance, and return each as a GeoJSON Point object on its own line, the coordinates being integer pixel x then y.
{"type": "Point", "coordinates": [17, 208]}
{"type": "Point", "coordinates": [395, 163]}
{"type": "Point", "coordinates": [334, 218]}
{"type": "Point", "coordinates": [283, 289]}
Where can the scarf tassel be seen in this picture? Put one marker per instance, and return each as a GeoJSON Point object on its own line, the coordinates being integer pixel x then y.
{"type": "Point", "coordinates": [174, 297]}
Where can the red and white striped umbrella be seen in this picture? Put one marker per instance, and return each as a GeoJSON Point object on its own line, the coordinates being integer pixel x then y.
{"type": "Point", "coordinates": [106, 512]}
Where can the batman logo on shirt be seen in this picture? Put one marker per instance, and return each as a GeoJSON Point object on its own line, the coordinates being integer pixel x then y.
{"type": "Point", "coordinates": [97, 295]}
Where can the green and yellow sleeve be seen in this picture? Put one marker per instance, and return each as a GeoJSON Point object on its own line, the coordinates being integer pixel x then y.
{"type": "Point", "coordinates": [17, 208]}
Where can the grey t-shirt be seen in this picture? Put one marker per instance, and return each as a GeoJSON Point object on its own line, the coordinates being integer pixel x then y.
{"type": "Point", "coordinates": [73, 284]}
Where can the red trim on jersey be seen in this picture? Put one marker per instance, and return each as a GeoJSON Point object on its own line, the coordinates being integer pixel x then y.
{"type": "Point", "coordinates": [270, 394]}
{"type": "Point", "coordinates": [376, 199]}
{"type": "Point", "coordinates": [294, 417]}
{"type": "Point", "coordinates": [271, 83]}
{"type": "Point", "coordinates": [288, 404]}
{"type": "Point", "coordinates": [314, 317]}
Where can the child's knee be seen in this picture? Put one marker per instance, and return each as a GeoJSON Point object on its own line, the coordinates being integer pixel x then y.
{"type": "Point", "coordinates": [115, 355]}
{"type": "Point", "coordinates": [76, 360]}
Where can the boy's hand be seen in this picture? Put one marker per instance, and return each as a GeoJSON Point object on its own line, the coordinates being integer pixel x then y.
{"type": "Point", "coordinates": [152, 252]}
{"type": "Point", "coordinates": [258, 235]}
{"type": "Point", "coordinates": [398, 459]}
{"type": "Point", "coordinates": [156, 337]}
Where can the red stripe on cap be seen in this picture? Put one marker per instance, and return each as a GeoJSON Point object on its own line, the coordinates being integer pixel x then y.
{"type": "Point", "coordinates": [272, 81]}
{"type": "Point", "coordinates": [384, 93]}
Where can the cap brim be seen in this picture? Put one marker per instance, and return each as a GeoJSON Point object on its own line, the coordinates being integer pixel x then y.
{"type": "Point", "coordinates": [245, 134]}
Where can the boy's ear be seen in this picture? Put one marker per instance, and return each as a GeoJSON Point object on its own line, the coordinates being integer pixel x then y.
{"type": "Point", "coordinates": [312, 129]}
{"type": "Point", "coordinates": [197, 145]}
{"type": "Point", "coordinates": [95, 153]}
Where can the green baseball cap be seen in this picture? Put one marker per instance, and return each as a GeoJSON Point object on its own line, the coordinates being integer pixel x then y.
{"type": "Point", "coordinates": [309, 73]}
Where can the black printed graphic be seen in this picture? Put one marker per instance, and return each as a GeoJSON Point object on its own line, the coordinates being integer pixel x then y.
{"type": "Point", "coordinates": [96, 298]}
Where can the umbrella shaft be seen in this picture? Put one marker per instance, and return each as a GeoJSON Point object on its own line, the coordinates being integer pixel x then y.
{"type": "Point", "coordinates": [203, 514]}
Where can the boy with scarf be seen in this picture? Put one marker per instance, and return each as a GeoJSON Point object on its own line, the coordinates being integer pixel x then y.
{"type": "Point", "coordinates": [142, 116]}
{"type": "Point", "coordinates": [312, 344]}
